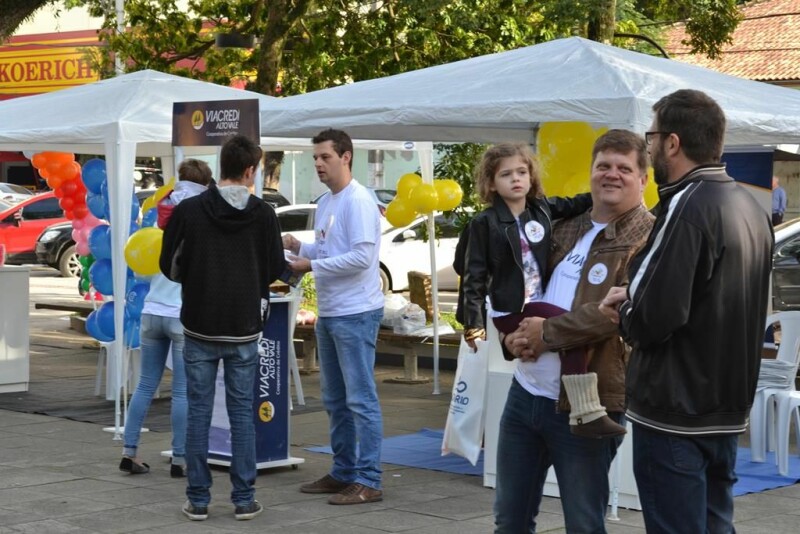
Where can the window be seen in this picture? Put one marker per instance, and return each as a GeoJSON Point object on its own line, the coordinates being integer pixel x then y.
{"type": "Point", "coordinates": [296, 220]}
{"type": "Point", "coordinates": [46, 208]}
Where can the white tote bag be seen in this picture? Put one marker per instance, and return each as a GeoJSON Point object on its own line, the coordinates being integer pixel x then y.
{"type": "Point", "coordinates": [463, 433]}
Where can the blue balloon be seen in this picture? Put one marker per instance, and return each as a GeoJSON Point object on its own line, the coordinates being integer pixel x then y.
{"type": "Point", "coordinates": [93, 175]}
{"type": "Point", "coordinates": [105, 319]}
{"type": "Point", "coordinates": [101, 278]}
{"type": "Point", "coordinates": [100, 242]}
{"type": "Point", "coordinates": [150, 218]}
{"type": "Point", "coordinates": [134, 228]}
{"type": "Point", "coordinates": [104, 191]}
{"type": "Point", "coordinates": [131, 337]}
{"type": "Point", "coordinates": [97, 205]}
{"type": "Point", "coordinates": [134, 300]}
{"type": "Point", "coordinates": [93, 329]}
{"type": "Point", "coordinates": [134, 210]}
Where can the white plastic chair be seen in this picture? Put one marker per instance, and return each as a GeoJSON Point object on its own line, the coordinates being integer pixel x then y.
{"type": "Point", "coordinates": [762, 414]}
{"type": "Point", "coordinates": [788, 402]}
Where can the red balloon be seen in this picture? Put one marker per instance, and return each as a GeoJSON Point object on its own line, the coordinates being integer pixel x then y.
{"type": "Point", "coordinates": [80, 211]}
{"type": "Point", "coordinates": [59, 193]}
{"type": "Point", "coordinates": [69, 215]}
{"type": "Point", "coordinates": [69, 188]}
{"type": "Point", "coordinates": [66, 203]}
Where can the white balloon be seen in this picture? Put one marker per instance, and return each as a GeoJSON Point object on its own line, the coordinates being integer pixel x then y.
{"type": "Point", "coordinates": [28, 153]}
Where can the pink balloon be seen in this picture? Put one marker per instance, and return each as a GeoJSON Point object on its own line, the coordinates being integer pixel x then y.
{"type": "Point", "coordinates": [82, 248]}
{"type": "Point", "coordinates": [91, 221]}
{"type": "Point", "coordinates": [76, 235]}
{"type": "Point", "coordinates": [78, 224]}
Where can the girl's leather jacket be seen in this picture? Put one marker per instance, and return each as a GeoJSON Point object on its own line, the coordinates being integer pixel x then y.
{"type": "Point", "coordinates": [492, 262]}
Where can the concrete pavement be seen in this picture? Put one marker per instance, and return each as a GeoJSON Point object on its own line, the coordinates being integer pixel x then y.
{"type": "Point", "coordinates": [58, 475]}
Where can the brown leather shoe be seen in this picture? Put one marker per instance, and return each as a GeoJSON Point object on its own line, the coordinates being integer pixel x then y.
{"type": "Point", "coordinates": [605, 427]}
{"type": "Point", "coordinates": [326, 484]}
{"type": "Point", "coordinates": [356, 494]}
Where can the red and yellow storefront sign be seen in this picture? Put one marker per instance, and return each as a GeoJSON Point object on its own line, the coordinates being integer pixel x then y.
{"type": "Point", "coordinates": [33, 64]}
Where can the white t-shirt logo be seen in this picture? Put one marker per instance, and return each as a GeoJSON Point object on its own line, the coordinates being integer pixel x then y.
{"type": "Point", "coordinates": [534, 231]}
{"type": "Point", "coordinates": [598, 273]}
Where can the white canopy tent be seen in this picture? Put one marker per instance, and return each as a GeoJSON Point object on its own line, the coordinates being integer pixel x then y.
{"type": "Point", "coordinates": [506, 96]}
{"type": "Point", "coordinates": [121, 118]}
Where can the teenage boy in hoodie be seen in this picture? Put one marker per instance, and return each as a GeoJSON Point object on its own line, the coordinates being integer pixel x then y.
{"type": "Point", "coordinates": [224, 247]}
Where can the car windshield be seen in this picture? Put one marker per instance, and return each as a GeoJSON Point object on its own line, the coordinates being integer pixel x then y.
{"type": "Point", "coordinates": [385, 195]}
{"type": "Point", "coordinates": [4, 206]}
{"type": "Point", "coordinates": [14, 188]}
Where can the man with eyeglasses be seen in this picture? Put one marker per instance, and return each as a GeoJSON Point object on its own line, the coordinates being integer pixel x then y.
{"type": "Point", "coordinates": [694, 313]}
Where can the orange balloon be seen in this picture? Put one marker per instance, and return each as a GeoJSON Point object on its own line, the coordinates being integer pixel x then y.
{"type": "Point", "coordinates": [55, 182]}
{"type": "Point", "coordinates": [39, 160]}
{"type": "Point", "coordinates": [58, 157]}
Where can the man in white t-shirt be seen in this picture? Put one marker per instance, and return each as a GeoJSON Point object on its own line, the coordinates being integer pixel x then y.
{"type": "Point", "coordinates": [590, 253]}
{"type": "Point", "coordinates": [344, 260]}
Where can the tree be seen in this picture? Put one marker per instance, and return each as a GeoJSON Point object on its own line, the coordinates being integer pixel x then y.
{"type": "Point", "coordinates": [15, 12]}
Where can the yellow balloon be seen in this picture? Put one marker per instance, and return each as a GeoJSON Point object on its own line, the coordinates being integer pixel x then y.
{"type": "Point", "coordinates": [650, 190]}
{"type": "Point", "coordinates": [424, 198]}
{"type": "Point", "coordinates": [406, 184]}
{"type": "Point", "coordinates": [449, 193]}
{"type": "Point", "coordinates": [143, 250]}
{"type": "Point", "coordinates": [565, 156]}
{"type": "Point", "coordinates": [400, 213]}
{"type": "Point", "coordinates": [160, 193]}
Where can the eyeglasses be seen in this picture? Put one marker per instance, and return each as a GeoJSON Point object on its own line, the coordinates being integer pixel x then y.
{"type": "Point", "coordinates": [648, 136]}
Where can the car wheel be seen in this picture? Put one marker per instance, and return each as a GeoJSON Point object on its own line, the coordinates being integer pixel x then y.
{"type": "Point", "coordinates": [386, 283]}
{"type": "Point", "coordinates": [69, 263]}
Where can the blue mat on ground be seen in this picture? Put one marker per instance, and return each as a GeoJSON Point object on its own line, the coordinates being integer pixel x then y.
{"type": "Point", "coordinates": [423, 450]}
{"type": "Point", "coordinates": [755, 477]}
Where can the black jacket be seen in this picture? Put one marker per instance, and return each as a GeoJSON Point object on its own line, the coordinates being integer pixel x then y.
{"type": "Point", "coordinates": [225, 259]}
{"type": "Point", "coordinates": [493, 262]}
{"type": "Point", "coordinates": [698, 302]}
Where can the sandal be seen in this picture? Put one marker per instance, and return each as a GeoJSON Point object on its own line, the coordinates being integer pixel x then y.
{"type": "Point", "coordinates": [129, 466]}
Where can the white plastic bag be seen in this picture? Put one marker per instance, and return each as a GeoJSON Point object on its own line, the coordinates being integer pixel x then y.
{"type": "Point", "coordinates": [412, 318]}
{"type": "Point", "coordinates": [463, 433]}
{"type": "Point", "coordinates": [393, 306]}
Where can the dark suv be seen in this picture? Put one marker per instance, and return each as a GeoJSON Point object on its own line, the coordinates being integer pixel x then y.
{"type": "Point", "coordinates": [56, 248]}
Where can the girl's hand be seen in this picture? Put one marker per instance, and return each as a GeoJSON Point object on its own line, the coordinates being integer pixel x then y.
{"type": "Point", "coordinates": [471, 334]}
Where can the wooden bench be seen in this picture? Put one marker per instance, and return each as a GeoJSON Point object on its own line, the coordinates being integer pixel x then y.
{"type": "Point", "coordinates": [390, 343]}
{"type": "Point", "coordinates": [81, 307]}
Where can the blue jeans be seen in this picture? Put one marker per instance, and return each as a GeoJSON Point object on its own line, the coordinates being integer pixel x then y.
{"type": "Point", "coordinates": [534, 436]}
{"type": "Point", "coordinates": [239, 361]}
{"type": "Point", "coordinates": [685, 482]}
{"type": "Point", "coordinates": [346, 347]}
{"type": "Point", "coordinates": [157, 333]}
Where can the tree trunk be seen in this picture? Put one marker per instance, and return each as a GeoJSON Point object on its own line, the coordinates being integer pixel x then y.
{"type": "Point", "coordinates": [602, 21]}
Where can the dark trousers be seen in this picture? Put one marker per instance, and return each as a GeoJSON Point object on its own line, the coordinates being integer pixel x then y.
{"type": "Point", "coordinates": [685, 482]}
{"type": "Point", "coordinates": [777, 218]}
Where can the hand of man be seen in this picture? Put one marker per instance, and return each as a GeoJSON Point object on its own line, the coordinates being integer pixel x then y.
{"type": "Point", "coordinates": [609, 306]}
{"type": "Point", "coordinates": [299, 265]}
{"type": "Point", "coordinates": [526, 341]}
{"type": "Point", "coordinates": [291, 243]}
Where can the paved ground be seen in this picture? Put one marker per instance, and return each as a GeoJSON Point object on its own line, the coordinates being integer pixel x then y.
{"type": "Point", "coordinates": [58, 475]}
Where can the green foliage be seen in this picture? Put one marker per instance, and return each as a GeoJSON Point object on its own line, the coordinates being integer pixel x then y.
{"type": "Point", "coordinates": [450, 318]}
{"type": "Point", "coordinates": [310, 45]}
{"type": "Point", "coordinates": [309, 289]}
{"type": "Point", "coordinates": [457, 161]}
